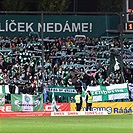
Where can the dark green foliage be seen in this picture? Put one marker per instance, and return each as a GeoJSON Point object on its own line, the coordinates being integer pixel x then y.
{"type": "Point", "coordinates": [110, 5]}
{"type": "Point", "coordinates": [35, 5]}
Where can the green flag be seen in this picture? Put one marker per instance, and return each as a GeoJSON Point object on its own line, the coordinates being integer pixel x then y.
{"type": "Point", "coordinates": [83, 94]}
{"type": "Point", "coordinates": [54, 106]}
{"type": "Point", "coordinates": [2, 99]}
{"type": "Point", "coordinates": [4, 89]}
{"type": "Point", "coordinates": [26, 102]}
{"type": "Point", "coordinates": [112, 92]}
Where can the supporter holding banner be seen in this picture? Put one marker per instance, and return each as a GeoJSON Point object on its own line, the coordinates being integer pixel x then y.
{"type": "Point", "coordinates": [26, 102]}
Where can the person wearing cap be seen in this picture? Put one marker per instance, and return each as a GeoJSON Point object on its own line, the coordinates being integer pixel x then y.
{"type": "Point", "coordinates": [78, 99]}
{"type": "Point", "coordinates": [89, 99]}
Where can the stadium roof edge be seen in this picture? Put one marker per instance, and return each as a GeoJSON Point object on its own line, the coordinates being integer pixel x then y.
{"type": "Point", "coordinates": [59, 13]}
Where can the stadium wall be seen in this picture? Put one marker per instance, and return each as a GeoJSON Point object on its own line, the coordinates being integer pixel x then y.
{"type": "Point", "coordinates": [112, 108]}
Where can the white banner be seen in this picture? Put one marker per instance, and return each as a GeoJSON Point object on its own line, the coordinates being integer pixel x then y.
{"type": "Point", "coordinates": [78, 113]}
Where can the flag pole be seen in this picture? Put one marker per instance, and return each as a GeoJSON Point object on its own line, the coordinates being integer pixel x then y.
{"type": "Point", "coordinates": [121, 45]}
{"type": "Point", "coordinates": [42, 63]}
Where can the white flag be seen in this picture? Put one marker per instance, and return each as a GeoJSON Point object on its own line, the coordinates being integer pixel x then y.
{"type": "Point", "coordinates": [54, 107]}
{"type": "Point", "coordinates": [26, 101]}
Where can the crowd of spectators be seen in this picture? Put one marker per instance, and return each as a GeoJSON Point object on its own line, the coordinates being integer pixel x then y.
{"type": "Point", "coordinates": [72, 61]}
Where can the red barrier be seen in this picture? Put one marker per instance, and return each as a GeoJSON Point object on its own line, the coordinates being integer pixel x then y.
{"type": "Point", "coordinates": [60, 107]}
{"type": "Point", "coordinates": [5, 111]}
{"type": "Point", "coordinates": [14, 114]}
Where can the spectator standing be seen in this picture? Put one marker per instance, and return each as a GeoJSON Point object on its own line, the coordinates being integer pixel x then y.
{"type": "Point", "coordinates": [85, 80]}
{"type": "Point", "coordinates": [78, 99]}
{"type": "Point", "coordinates": [100, 79]}
{"type": "Point", "coordinates": [89, 99]}
{"type": "Point", "coordinates": [78, 85]}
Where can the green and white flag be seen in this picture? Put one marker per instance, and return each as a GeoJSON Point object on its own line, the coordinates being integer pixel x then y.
{"type": "Point", "coordinates": [26, 102]}
{"type": "Point", "coordinates": [112, 92]}
{"type": "Point", "coordinates": [4, 89]}
{"type": "Point", "coordinates": [83, 94]}
{"type": "Point", "coordinates": [2, 99]}
{"type": "Point", "coordinates": [54, 106]}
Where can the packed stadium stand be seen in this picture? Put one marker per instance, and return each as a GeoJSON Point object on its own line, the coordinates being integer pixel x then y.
{"type": "Point", "coordinates": [66, 60]}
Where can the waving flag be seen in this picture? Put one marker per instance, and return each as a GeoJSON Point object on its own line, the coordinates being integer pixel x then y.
{"type": "Point", "coordinates": [4, 89]}
{"type": "Point", "coordinates": [115, 62]}
{"type": "Point", "coordinates": [2, 99]}
{"type": "Point", "coordinates": [54, 106]}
